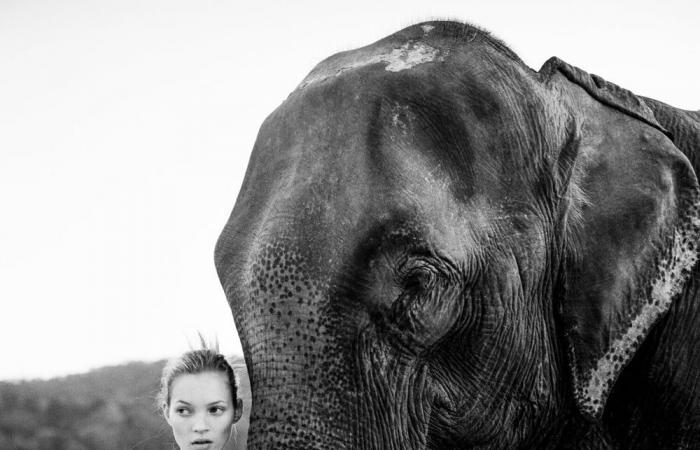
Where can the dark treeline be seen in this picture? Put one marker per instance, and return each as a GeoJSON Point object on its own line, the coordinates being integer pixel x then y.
{"type": "Point", "coordinates": [108, 408]}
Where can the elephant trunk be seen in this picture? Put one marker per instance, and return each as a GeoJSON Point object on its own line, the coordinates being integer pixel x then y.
{"type": "Point", "coordinates": [287, 413]}
{"type": "Point", "coordinates": [300, 387]}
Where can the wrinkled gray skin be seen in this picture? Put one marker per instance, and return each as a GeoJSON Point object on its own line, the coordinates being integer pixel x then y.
{"type": "Point", "coordinates": [438, 247]}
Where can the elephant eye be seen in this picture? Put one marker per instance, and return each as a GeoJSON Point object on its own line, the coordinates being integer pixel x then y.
{"type": "Point", "coordinates": [427, 306]}
{"type": "Point", "coordinates": [417, 276]}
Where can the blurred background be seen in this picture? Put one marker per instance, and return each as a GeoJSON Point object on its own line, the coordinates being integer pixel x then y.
{"type": "Point", "coordinates": [125, 129]}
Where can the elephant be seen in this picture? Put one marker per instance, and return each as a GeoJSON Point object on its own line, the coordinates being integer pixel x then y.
{"type": "Point", "coordinates": [436, 246]}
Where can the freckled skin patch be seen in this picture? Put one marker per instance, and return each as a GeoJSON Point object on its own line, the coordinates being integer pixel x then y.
{"type": "Point", "coordinates": [673, 273]}
{"type": "Point", "coordinates": [284, 322]}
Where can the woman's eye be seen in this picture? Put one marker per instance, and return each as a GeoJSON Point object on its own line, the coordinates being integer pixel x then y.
{"type": "Point", "coordinates": [182, 411]}
{"type": "Point", "coordinates": [216, 410]}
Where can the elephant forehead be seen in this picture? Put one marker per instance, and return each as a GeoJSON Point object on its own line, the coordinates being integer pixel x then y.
{"type": "Point", "coordinates": [434, 198]}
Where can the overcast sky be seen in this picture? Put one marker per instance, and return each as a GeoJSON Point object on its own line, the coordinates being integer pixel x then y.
{"type": "Point", "coordinates": [126, 126]}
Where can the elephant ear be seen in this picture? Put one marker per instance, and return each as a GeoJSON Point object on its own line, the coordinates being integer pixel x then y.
{"type": "Point", "coordinates": [632, 228]}
{"type": "Point", "coordinates": [605, 92]}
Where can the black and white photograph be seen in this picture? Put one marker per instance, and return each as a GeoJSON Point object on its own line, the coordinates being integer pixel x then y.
{"type": "Point", "coordinates": [349, 225]}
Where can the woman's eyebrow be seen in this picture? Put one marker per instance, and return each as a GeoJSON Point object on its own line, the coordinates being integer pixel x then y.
{"type": "Point", "coordinates": [216, 402]}
{"type": "Point", "coordinates": [182, 401]}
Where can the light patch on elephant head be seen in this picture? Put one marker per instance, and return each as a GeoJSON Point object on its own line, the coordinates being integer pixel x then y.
{"type": "Point", "coordinates": [407, 56]}
{"type": "Point", "coordinates": [410, 55]}
{"type": "Point", "coordinates": [673, 272]}
{"type": "Point", "coordinates": [427, 28]}
{"type": "Point", "coordinates": [399, 115]}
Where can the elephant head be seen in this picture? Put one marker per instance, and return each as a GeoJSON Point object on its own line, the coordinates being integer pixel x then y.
{"type": "Point", "coordinates": [435, 246]}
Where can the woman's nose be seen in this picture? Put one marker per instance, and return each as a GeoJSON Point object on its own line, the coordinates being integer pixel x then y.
{"type": "Point", "coordinates": [200, 423]}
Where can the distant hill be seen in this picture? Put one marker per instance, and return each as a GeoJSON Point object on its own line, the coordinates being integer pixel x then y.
{"type": "Point", "coordinates": [107, 408]}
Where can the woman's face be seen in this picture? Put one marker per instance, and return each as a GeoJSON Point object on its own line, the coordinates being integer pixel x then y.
{"type": "Point", "coordinates": [201, 411]}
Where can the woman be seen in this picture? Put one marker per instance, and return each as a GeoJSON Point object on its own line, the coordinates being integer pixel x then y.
{"type": "Point", "coordinates": [198, 397]}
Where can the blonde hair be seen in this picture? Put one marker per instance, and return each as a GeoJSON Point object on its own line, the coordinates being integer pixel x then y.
{"type": "Point", "coordinates": [205, 359]}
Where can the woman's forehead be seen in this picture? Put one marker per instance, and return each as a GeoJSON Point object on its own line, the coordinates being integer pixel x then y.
{"type": "Point", "coordinates": [204, 388]}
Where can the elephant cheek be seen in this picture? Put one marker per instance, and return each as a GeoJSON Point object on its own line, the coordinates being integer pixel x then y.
{"type": "Point", "coordinates": [431, 319]}
{"type": "Point", "coordinates": [394, 394]}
